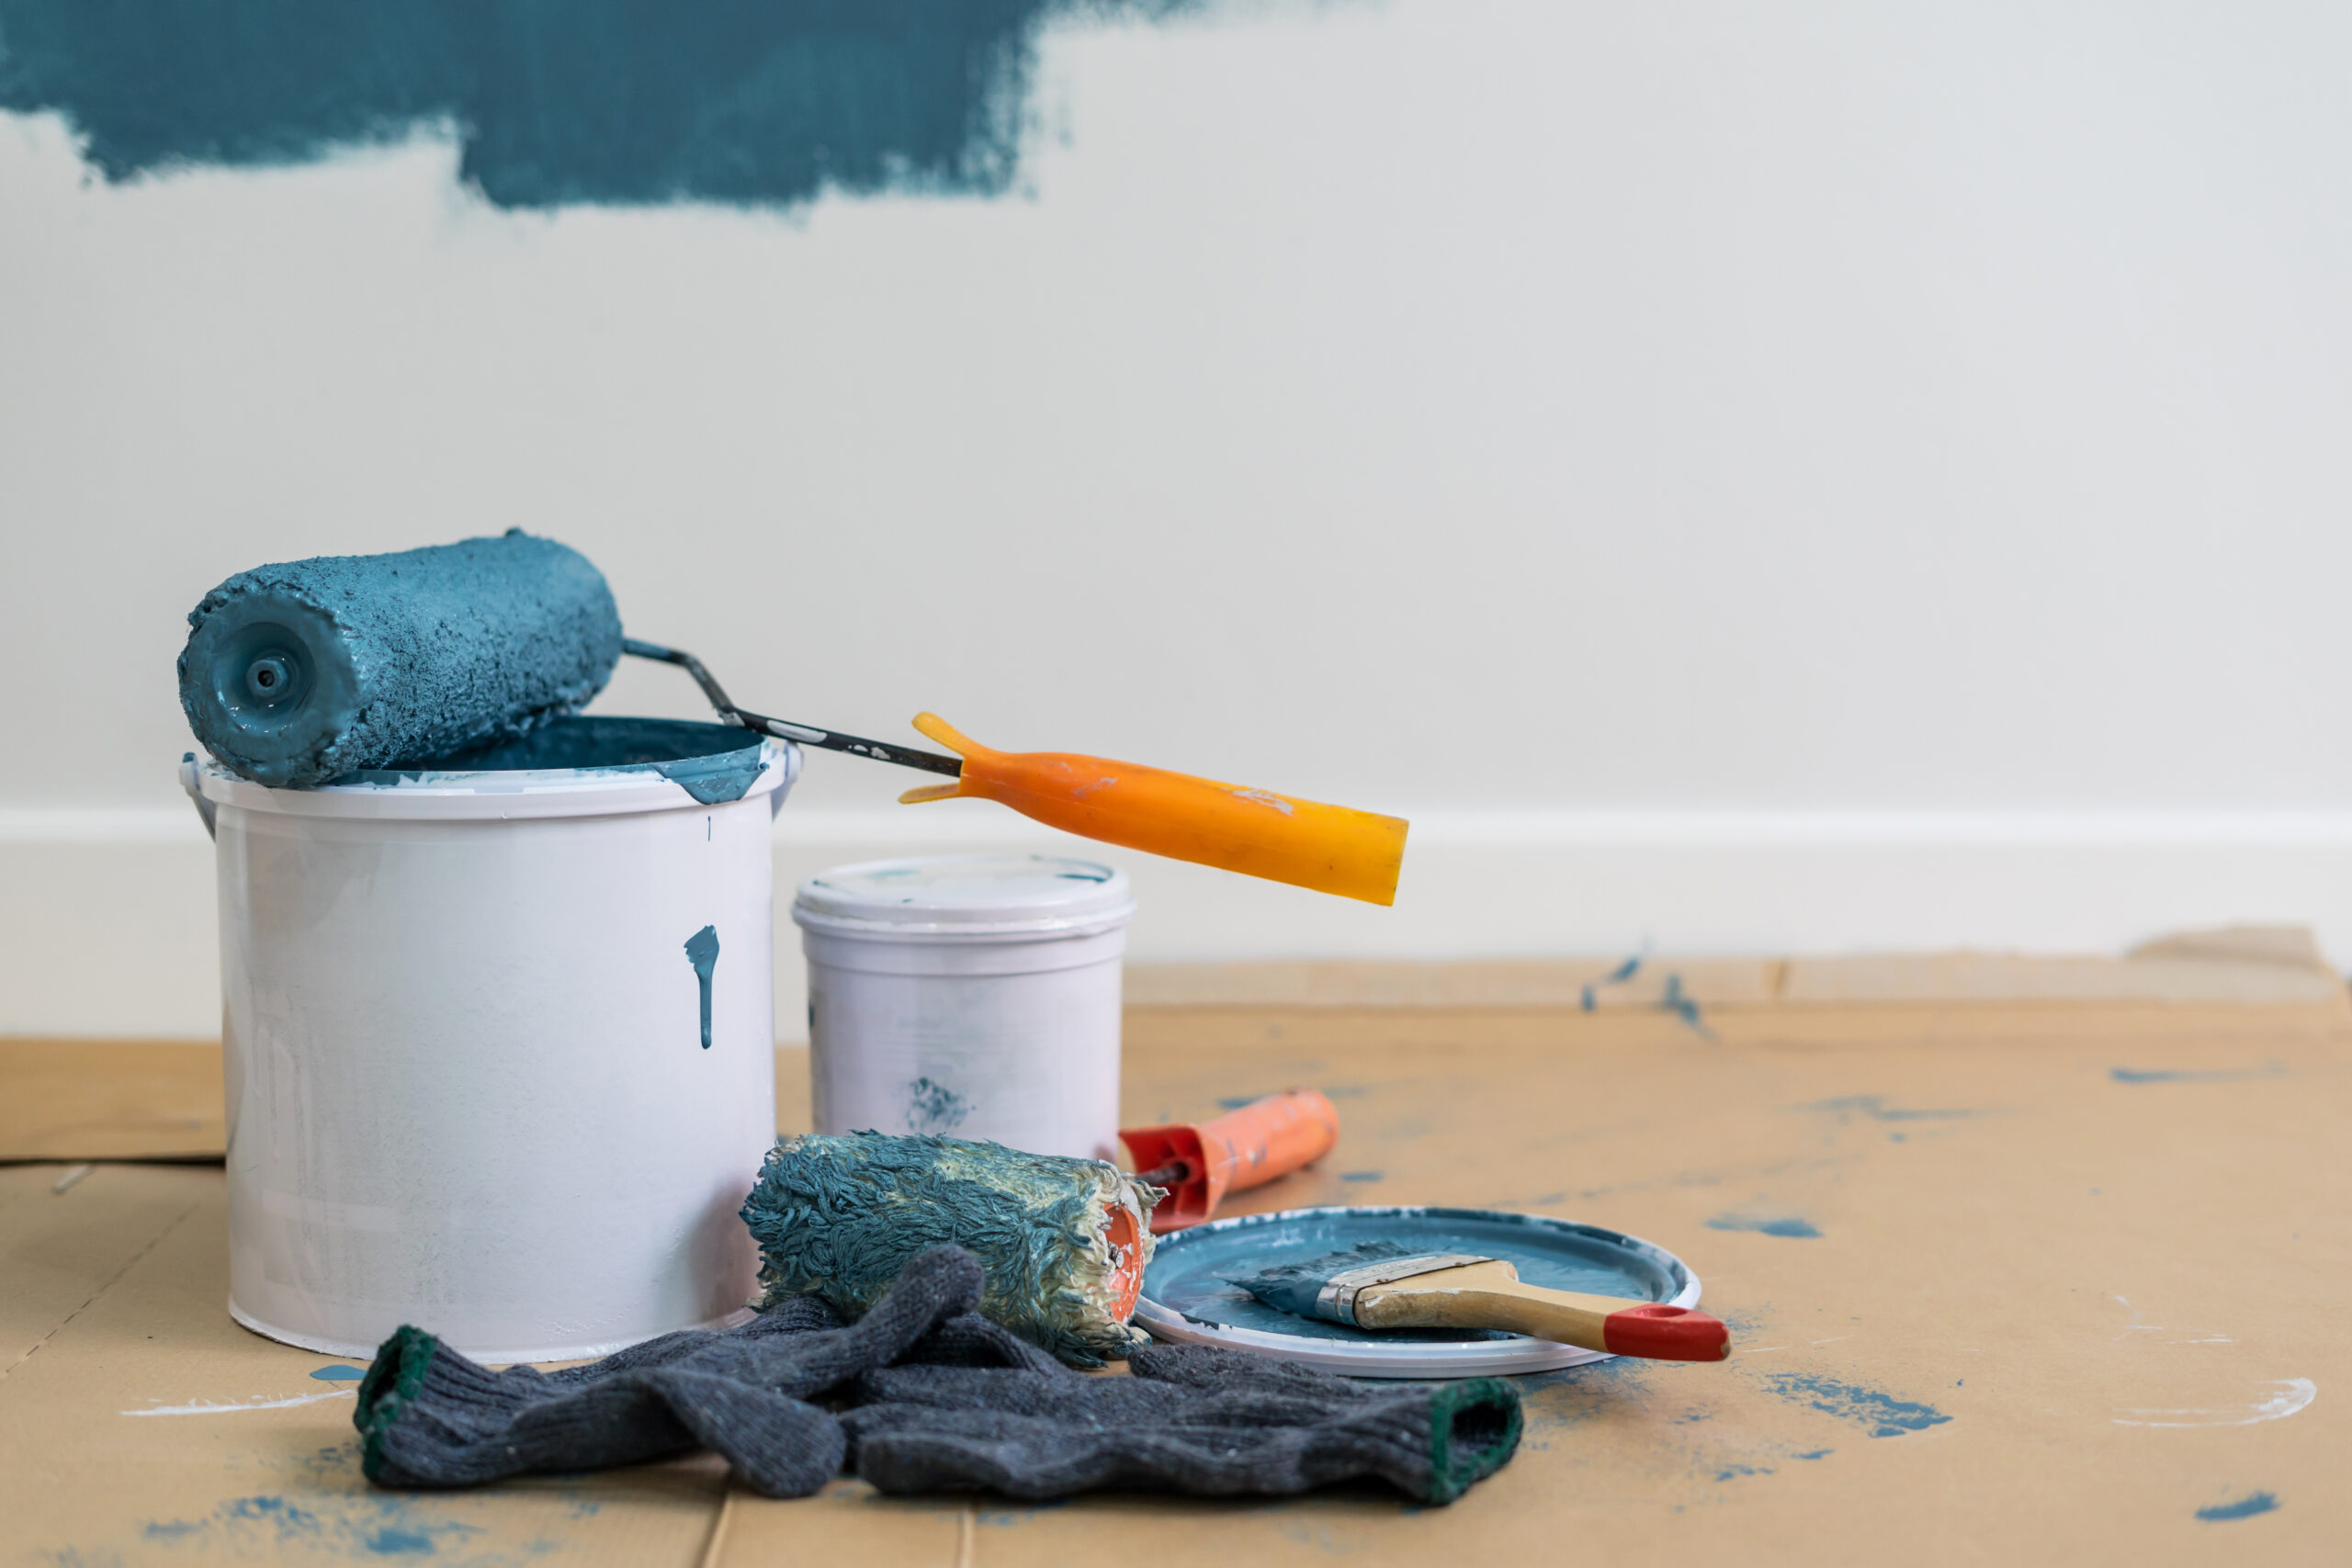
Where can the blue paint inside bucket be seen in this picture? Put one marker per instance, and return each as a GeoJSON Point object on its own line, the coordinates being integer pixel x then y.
{"type": "Point", "coordinates": [712, 762]}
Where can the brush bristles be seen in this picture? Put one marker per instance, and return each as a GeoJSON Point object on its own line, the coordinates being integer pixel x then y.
{"type": "Point", "coordinates": [837, 1216]}
{"type": "Point", "coordinates": [1314, 1272]}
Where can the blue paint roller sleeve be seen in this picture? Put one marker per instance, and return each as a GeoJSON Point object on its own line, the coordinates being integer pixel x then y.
{"type": "Point", "coordinates": [301, 672]}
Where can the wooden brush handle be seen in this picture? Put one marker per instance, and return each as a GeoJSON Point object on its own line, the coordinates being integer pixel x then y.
{"type": "Point", "coordinates": [1483, 1295]}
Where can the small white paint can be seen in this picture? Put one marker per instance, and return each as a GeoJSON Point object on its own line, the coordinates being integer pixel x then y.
{"type": "Point", "coordinates": [970, 995]}
{"type": "Point", "coordinates": [499, 1042]}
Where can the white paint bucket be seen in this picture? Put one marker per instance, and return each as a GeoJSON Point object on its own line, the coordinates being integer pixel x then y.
{"type": "Point", "coordinates": [469, 1087]}
{"type": "Point", "coordinates": [971, 995]}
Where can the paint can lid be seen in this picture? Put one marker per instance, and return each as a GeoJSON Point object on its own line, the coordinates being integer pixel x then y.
{"type": "Point", "coordinates": [951, 897]}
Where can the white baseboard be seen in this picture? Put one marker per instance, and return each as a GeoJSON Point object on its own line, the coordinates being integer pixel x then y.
{"type": "Point", "coordinates": [107, 919]}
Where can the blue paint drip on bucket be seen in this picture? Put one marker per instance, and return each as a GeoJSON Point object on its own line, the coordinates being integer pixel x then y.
{"type": "Point", "coordinates": [702, 952]}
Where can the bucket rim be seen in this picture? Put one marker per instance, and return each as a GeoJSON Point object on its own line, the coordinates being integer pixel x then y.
{"type": "Point", "coordinates": [611, 789]}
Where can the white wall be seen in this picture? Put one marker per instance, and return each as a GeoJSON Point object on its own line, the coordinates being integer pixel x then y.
{"type": "Point", "coordinates": [1766, 478]}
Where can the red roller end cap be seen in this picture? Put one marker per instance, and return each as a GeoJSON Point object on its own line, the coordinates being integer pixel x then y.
{"type": "Point", "coordinates": [1663, 1333]}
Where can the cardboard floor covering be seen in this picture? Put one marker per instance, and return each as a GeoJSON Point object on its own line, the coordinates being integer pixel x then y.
{"type": "Point", "coordinates": [2009, 1282]}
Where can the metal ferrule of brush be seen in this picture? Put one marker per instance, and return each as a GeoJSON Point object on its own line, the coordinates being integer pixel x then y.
{"type": "Point", "coordinates": [1336, 1299]}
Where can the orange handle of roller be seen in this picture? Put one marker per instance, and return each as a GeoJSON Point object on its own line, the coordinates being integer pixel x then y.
{"type": "Point", "coordinates": [1239, 1150]}
{"type": "Point", "coordinates": [1331, 849]}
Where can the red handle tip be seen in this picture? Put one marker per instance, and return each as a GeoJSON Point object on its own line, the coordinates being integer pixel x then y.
{"type": "Point", "coordinates": [1663, 1333]}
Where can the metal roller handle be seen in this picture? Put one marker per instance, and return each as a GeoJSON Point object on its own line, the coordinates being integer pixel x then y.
{"type": "Point", "coordinates": [784, 729]}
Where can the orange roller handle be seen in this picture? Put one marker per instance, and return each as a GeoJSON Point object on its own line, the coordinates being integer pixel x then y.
{"type": "Point", "coordinates": [1242, 1149]}
{"type": "Point", "coordinates": [1331, 849]}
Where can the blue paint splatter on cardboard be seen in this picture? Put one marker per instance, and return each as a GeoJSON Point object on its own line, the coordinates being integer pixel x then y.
{"type": "Point", "coordinates": [288, 1520]}
{"type": "Point", "coordinates": [1617, 977]}
{"type": "Point", "coordinates": [1886, 1416]}
{"type": "Point", "coordinates": [340, 1374]}
{"type": "Point", "coordinates": [2221, 1075]}
{"type": "Point", "coordinates": [1875, 1107]}
{"type": "Point", "coordinates": [2245, 1507]}
{"type": "Point", "coordinates": [377, 1525]}
{"type": "Point", "coordinates": [1765, 1225]}
{"type": "Point", "coordinates": [1684, 1006]}
{"type": "Point", "coordinates": [395, 1539]}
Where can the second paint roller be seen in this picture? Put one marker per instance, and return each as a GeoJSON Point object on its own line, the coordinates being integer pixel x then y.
{"type": "Point", "coordinates": [301, 672]}
{"type": "Point", "coordinates": [1248, 1146]}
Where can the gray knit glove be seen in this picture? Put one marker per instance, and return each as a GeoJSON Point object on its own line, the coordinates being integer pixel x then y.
{"type": "Point", "coordinates": [428, 1416]}
{"type": "Point", "coordinates": [940, 1398]}
{"type": "Point", "coordinates": [1191, 1419]}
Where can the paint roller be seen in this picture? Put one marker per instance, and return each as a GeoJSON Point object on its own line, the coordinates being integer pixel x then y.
{"type": "Point", "coordinates": [1064, 1241]}
{"type": "Point", "coordinates": [299, 673]}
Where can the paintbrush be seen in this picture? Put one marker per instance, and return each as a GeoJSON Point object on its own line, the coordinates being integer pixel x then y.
{"type": "Point", "coordinates": [1378, 1285]}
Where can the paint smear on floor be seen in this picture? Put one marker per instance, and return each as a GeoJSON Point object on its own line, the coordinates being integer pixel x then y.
{"type": "Point", "coordinates": [1765, 1225]}
{"type": "Point", "coordinates": [2245, 1507]}
{"type": "Point", "coordinates": [213, 1407]}
{"type": "Point", "coordinates": [1886, 1416]}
